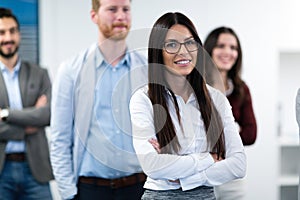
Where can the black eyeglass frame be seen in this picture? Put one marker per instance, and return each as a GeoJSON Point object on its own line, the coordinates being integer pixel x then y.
{"type": "Point", "coordinates": [180, 44]}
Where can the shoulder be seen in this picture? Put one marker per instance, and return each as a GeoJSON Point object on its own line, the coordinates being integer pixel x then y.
{"type": "Point", "coordinates": [72, 65]}
{"type": "Point", "coordinates": [140, 94]}
{"type": "Point", "coordinates": [245, 87]}
{"type": "Point", "coordinates": [219, 99]}
{"type": "Point", "coordinates": [138, 65]}
{"type": "Point", "coordinates": [142, 91]}
{"type": "Point", "coordinates": [215, 93]}
{"type": "Point", "coordinates": [246, 90]}
{"type": "Point", "coordinates": [78, 59]}
{"type": "Point", "coordinates": [140, 103]}
{"type": "Point", "coordinates": [137, 57]}
{"type": "Point", "coordinates": [33, 67]}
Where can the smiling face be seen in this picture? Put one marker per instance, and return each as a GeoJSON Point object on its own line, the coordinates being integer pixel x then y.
{"type": "Point", "coordinates": [225, 52]}
{"type": "Point", "coordinates": [9, 37]}
{"type": "Point", "coordinates": [183, 62]}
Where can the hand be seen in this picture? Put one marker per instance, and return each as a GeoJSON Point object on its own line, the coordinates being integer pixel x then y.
{"type": "Point", "coordinates": [30, 130]}
{"type": "Point", "coordinates": [42, 101]}
{"type": "Point", "coordinates": [155, 144]}
{"type": "Point", "coordinates": [174, 181]}
{"type": "Point", "coordinates": [215, 157]}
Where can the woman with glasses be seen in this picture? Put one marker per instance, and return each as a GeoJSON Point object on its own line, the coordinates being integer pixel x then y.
{"type": "Point", "coordinates": [223, 45]}
{"type": "Point", "coordinates": [183, 130]}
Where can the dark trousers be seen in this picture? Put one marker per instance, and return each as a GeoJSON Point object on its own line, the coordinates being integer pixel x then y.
{"type": "Point", "coordinates": [95, 192]}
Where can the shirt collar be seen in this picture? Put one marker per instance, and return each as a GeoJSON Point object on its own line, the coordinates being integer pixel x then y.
{"type": "Point", "coordinates": [230, 87]}
{"type": "Point", "coordinates": [100, 61]}
{"type": "Point", "coordinates": [192, 97]}
{"type": "Point", "coordinates": [16, 68]}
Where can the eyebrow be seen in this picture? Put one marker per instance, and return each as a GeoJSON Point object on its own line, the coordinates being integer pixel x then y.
{"type": "Point", "coordinates": [10, 28]}
{"type": "Point", "coordinates": [186, 39]}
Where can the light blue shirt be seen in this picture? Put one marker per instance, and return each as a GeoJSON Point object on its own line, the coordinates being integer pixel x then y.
{"type": "Point", "coordinates": [84, 138]}
{"type": "Point", "coordinates": [11, 80]}
{"type": "Point", "coordinates": [110, 128]}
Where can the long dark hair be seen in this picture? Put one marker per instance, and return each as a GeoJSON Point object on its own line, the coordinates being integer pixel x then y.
{"type": "Point", "coordinates": [235, 72]}
{"type": "Point", "coordinates": [158, 90]}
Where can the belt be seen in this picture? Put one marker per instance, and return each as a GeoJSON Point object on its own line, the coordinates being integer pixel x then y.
{"type": "Point", "coordinates": [115, 183]}
{"type": "Point", "coordinates": [17, 157]}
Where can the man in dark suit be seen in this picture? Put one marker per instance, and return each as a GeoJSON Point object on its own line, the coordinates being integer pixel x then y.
{"type": "Point", "coordinates": [25, 94]}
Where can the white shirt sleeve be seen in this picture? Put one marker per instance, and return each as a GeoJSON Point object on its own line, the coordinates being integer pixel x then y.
{"type": "Point", "coordinates": [159, 166]}
{"type": "Point", "coordinates": [194, 169]}
{"type": "Point", "coordinates": [234, 164]}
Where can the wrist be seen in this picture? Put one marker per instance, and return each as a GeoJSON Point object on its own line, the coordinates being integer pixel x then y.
{"type": "Point", "coordinates": [4, 114]}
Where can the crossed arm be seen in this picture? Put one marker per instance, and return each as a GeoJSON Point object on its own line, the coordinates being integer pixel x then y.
{"type": "Point", "coordinates": [9, 130]}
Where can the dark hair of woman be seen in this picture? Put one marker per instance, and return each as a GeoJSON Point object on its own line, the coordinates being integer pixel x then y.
{"type": "Point", "coordinates": [158, 90]}
{"type": "Point", "coordinates": [235, 72]}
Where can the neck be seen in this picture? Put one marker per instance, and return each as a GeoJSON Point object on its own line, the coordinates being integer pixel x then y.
{"type": "Point", "coordinates": [224, 78]}
{"type": "Point", "coordinates": [179, 85]}
{"type": "Point", "coordinates": [10, 63]}
{"type": "Point", "coordinates": [112, 50]}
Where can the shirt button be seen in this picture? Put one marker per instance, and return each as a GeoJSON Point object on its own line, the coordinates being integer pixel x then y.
{"type": "Point", "coordinates": [114, 69]}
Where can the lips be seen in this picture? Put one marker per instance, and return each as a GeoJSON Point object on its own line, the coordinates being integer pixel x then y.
{"type": "Point", "coordinates": [225, 59]}
{"type": "Point", "coordinates": [183, 62]}
{"type": "Point", "coordinates": [120, 25]}
{"type": "Point", "coordinates": [8, 45]}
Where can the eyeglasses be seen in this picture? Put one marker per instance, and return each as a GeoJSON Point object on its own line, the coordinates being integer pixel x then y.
{"type": "Point", "coordinates": [174, 46]}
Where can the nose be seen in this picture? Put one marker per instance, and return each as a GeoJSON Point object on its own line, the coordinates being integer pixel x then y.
{"type": "Point", "coordinates": [228, 50]}
{"type": "Point", "coordinates": [120, 15]}
{"type": "Point", "coordinates": [182, 49]}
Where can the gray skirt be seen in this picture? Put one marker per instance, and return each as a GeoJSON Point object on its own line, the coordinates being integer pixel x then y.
{"type": "Point", "coordinates": [199, 193]}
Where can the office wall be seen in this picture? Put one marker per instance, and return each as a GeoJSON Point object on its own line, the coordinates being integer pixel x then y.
{"type": "Point", "coordinates": [67, 29]}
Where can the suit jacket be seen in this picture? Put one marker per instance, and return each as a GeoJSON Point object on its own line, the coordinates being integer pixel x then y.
{"type": "Point", "coordinates": [34, 82]}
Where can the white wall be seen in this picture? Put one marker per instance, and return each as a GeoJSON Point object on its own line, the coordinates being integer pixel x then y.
{"type": "Point", "coordinates": [288, 25]}
{"type": "Point", "coordinates": [67, 29]}
{"type": "Point", "coordinates": [289, 52]}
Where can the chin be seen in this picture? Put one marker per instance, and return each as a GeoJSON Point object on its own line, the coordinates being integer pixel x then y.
{"type": "Point", "coordinates": [120, 36]}
{"type": "Point", "coordinates": [183, 73]}
{"type": "Point", "coordinates": [226, 67]}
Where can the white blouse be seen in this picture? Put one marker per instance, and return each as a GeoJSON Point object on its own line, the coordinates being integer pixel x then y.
{"type": "Point", "coordinates": [193, 166]}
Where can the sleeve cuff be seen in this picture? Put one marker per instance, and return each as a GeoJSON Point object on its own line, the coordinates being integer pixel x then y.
{"type": "Point", "coordinates": [193, 181]}
{"type": "Point", "coordinates": [204, 161]}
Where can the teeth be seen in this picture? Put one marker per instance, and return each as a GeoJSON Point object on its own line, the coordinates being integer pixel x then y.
{"type": "Point", "coordinates": [183, 62]}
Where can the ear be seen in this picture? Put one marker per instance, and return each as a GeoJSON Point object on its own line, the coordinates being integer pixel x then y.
{"type": "Point", "coordinates": [94, 16]}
